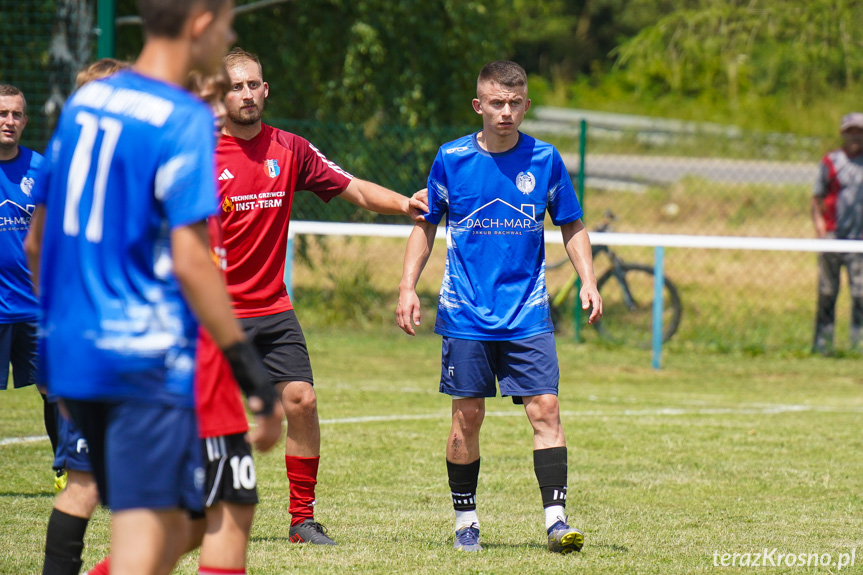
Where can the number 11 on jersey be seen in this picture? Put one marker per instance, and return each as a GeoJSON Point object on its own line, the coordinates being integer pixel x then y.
{"type": "Point", "coordinates": [79, 172]}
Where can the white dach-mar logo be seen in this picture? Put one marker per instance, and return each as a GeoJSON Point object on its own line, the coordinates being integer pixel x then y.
{"type": "Point", "coordinates": [525, 182]}
{"type": "Point", "coordinates": [27, 185]}
{"type": "Point", "coordinates": [28, 209]}
{"type": "Point", "coordinates": [18, 219]}
{"type": "Point", "coordinates": [521, 218]}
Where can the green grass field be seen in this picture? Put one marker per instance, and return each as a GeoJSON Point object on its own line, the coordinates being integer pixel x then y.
{"type": "Point", "coordinates": [715, 453]}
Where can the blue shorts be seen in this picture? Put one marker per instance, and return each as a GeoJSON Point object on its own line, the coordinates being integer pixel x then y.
{"type": "Point", "coordinates": [72, 451]}
{"type": "Point", "coordinates": [144, 455]}
{"type": "Point", "coordinates": [18, 347]}
{"type": "Point", "coordinates": [522, 367]}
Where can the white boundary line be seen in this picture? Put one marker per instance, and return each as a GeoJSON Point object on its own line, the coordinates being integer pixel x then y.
{"type": "Point", "coordinates": [18, 440]}
{"type": "Point", "coordinates": [753, 409]}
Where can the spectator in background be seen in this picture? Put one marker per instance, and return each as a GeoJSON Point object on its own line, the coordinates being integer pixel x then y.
{"type": "Point", "coordinates": [19, 311]}
{"type": "Point", "coordinates": [837, 213]}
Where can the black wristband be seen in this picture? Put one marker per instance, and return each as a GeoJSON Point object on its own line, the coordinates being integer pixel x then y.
{"type": "Point", "coordinates": [251, 375]}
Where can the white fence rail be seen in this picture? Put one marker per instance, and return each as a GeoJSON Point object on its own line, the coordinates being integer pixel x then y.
{"type": "Point", "coordinates": [657, 241]}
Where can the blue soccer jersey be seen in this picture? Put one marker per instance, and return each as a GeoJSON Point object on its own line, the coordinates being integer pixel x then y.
{"type": "Point", "coordinates": [131, 159]}
{"type": "Point", "coordinates": [17, 302]}
{"type": "Point", "coordinates": [495, 204]}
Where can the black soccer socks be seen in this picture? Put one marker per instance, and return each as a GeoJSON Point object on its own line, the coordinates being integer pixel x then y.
{"type": "Point", "coordinates": [550, 468]}
{"type": "Point", "coordinates": [64, 544]}
{"type": "Point", "coordinates": [462, 484]}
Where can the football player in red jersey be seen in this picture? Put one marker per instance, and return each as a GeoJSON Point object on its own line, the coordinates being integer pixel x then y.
{"type": "Point", "coordinates": [260, 168]}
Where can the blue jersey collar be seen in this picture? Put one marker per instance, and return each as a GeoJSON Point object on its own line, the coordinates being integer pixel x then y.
{"type": "Point", "coordinates": [480, 150]}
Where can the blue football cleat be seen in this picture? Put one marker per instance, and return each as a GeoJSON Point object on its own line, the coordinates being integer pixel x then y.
{"type": "Point", "coordinates": [467, 538]}
{"type": "Point", "coordinates": [564, 539]}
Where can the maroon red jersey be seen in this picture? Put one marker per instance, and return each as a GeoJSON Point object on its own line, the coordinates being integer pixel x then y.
{"type": "Point", "coordinates": [257, 181]}
{"type": "Point", "coordinates": [218, 402]}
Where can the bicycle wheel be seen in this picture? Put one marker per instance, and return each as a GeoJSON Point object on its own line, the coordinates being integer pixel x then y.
{"type": "Point", "coordinates": [627, 306]}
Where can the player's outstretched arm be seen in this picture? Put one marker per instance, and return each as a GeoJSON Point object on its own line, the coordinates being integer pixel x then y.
{"type": "Point", "coordinates": [420, 203]}
{"type": "Point", "coordinates": [375, 198]}
{"type": "Point", "coordinates": [204, 289]}
{"type": "Point", "coordinates": [577, 244]}
{"type": "Point", "coordinates": [33, 245]}
{"type": "Point", "coordinates": [420, 244]}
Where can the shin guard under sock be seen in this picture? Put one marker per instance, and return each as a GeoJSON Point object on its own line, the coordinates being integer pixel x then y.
{"type": "Point", "coordinates": [303, 476]}
{"type": "Point", "coordinates": [550, 468]}
{"type": "Point", "coordinates": [463, 479]}
{"type": "Point", "coordinates": [64, 543]}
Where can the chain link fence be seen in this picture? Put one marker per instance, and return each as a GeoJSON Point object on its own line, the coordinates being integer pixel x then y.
{"type": "Point", "coordinates": [43, 44]}
{"type": "Point", "coordinates": [692, 182]}
{"type": "Point", "coordinates": [662, 177]}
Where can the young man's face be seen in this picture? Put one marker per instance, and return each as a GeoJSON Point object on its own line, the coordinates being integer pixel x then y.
{"type": "Point", "coordinates": [215, 97]}
{"type": "Point", "coordinates": [245, 99]}
{"type": "Point", "coordinates": [12, 121]}
{"type": "Point", "coordinates": [502, 108]}
{"type": "Point", "coordinates": [853, 140]}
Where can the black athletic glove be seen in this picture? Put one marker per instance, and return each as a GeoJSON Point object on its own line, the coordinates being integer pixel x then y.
{"type": "Point", "coordinates": [250, 373]}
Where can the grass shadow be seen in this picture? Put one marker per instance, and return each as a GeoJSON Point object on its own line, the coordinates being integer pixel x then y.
{"type": "Point", "coordinates": [26, 495]}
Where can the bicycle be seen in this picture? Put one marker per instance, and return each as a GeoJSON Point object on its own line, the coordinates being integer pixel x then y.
{"type": "Point", "coordinates": [627, 291]}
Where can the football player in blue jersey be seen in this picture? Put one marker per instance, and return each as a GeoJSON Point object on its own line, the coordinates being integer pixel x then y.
{"type": "Point", "coordinates": [119, 241]}
{"type": "Point", "coordinates": [19, 310]}
{"type": "Point", "coordinates": [495, 188]}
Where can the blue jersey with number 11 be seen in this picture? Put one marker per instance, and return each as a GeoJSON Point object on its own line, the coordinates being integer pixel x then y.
{"type": "Point", "coordinates": [495, 204]}
{"type": "Point", "coordinates": [131, 159]}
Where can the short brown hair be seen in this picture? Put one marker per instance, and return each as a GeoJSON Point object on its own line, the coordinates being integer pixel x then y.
{"type": "Point", "coordinates": [506, 73]}
{"type": "Point", "coordinates": [237, 55]}
{"type": "Point", "coordinates": [166, 18]}
{"type": "Point", "coordinates": [101, 68]}
{"type": "Point", "coordinates": [199, 82]}
{"type": "Point", "coordinates": [10, 90]}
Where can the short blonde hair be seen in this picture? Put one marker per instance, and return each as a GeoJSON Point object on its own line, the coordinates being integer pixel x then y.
{"type": "Point", "coordinates": [101, 68]}
{"type": "Point", "coordinates": [200, 82]}
{"type": "Point", "coordinates": [238, 55]}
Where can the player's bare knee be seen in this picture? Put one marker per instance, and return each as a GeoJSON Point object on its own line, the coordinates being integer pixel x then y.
{"type": "Point", "coordinates": [469, 419]}
{"type": "Point", "coordinates": [543, 411]}
{"type": "Point", "coordinates": [299, 400]}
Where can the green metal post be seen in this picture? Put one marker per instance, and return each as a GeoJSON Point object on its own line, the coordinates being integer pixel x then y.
{"type": "Point", "coordinates": [579, 180]}
{"type": "Point", "coordinates": [106, 13]}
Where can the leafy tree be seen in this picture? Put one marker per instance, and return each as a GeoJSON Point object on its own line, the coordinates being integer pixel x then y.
{"type": "Point", "coordinates": [561, 39]}
{"type": "Point", "coordinates": [42, 44]}
{"type": "Point", "coordinates": [367, 62]}
{"type": "Point", "coordinates": [749, 47]}
{"type": "Point", "coordinates": [372, 61]}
